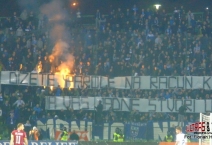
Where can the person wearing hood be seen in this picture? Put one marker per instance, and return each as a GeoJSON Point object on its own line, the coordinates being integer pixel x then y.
{"type": "Point", "coordinates": [34, 134]}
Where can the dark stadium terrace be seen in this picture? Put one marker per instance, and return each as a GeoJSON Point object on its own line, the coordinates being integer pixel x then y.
{"type": "Point", "coordinates": [167, 44]}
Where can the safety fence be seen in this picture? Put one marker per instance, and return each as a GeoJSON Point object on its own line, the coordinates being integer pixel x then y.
{"type": "Point", "coordinates": [46, 142]}
{"type": "Point", "coordinates": [7, 142]}
{"type": "Point", "coordinates": [51, 129]}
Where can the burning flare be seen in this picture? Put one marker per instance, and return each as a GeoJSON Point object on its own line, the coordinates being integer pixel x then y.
{"type": "Point", "coordinates": [64, 67]}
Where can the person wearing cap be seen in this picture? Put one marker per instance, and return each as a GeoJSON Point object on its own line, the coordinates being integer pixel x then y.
{"type": "Point", "coordinates": [64, 135]}
{"type": "Point", "coordinates": [34, 134]}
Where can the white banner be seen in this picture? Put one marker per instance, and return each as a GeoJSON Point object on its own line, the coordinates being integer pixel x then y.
{"type": "Point", "coordinates": [127, 104]}
{"type": "Point", "coordinates": [129, 82]}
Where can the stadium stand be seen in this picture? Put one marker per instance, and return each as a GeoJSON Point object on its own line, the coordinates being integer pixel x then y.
{"type": "Point", "coordinates": [124, 42]}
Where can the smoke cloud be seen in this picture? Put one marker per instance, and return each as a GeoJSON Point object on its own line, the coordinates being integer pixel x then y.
{"type": "Point", "coordinates": [59, 37]}
{"type": "Point", "coordinates": [61, 55]}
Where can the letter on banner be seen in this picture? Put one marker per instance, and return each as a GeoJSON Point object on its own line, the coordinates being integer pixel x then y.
{"type": "Point", "coordinates": [106, 131]}
{"type": "Point", "coordinates": [135, 104]}
{"type": "Point", "coordinates": [170, 104]}
{"type": "Point", "coordinates": [205, 82]}
{"type": "Point", "coordinates": [33, 79]}
{"type": "Point", "coordinates": [71, 143]}
{"type": "Point", "coordinates": [23, 78]}
{"type": "Point", "coordinates": [153, 82]}
{"type": "Point", "coordinates": [179, 81]}
{"type": "Point", "coordinates": [208, 106]}
{"type": "Point", "coordinates": [162, 82]}
{"type": "Point", "coordinates": [69, 81]}
{"type": "Point", "coordinates": [94, 81]}
{"type": "Point", "coordinates": [6, 143]}
{"type": "Point", "coordinates": [86, 82]}
{"type": "Point", "coordinates": [152, 104]}
{"type": "Point", "coordinates": [188, 82]}
{"type": "Point", "coordinates": [128, 84]}
{"type": "Point", "coordinates": [85, 103]}
{"type": "Point", "coordinates": [77, 102]}
{"type": "Point", "coordinates": [43, 143]}
{"type": "Point", "coordinates": [125, 103]}
{"type": "Point", "coordinates": [189, 104]}
{"type": "Point", "coordinates": [78, 81]}
{"type": "Point", "coordinates": [63, 143]}
{"type": "Point", "coordinates": [48, 126]}
{"type": "Point", "coordinates": [110, 83]}
{"type": "Point", "coordinates": [178, 105]}
{"type": "Point", "coordinates": [136, 82]}
{"type": "Point", "coordinates": [67, 101]}
{"type": "Point", "coordinates": [171, 81]}
{"type": "Point", "coordinates": [50, 80]}
{"type": "Point", "coordinates": [13, 78]}
{"type": "Point", "coordinates": [107, 103]}
{"type": "Point", "coordinates": [116, 104]}
{"type": "Point", "coordinates": [34, 143]}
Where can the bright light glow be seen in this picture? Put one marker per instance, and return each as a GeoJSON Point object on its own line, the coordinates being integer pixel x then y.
{"type": "Point", "coordinates": [51, 88]}
{"type": "Point", "coordinates": [74, 4]}
{"type": "Point", "coordinates": [206, 8]}
{"type": "Point", "coordinates": [157, 6]}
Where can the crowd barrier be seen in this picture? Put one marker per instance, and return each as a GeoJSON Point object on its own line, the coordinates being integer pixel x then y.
{"type": "Point", "coordinates": [7, 142]}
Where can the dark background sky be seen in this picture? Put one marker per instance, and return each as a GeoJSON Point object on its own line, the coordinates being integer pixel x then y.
{"type": "Point", "coordinates": [7, 7]}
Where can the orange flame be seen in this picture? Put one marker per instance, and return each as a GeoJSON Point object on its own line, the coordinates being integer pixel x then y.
{"type": "Point", "coordinates": [64, 67]}
{"type": "Point", "coordinates": [39, 67]}
{"type": "Point", "coordinates": [64, 70]}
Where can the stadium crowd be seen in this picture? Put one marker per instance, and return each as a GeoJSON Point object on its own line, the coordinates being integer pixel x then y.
{"type": "Point", "coordinates": [124, 42]}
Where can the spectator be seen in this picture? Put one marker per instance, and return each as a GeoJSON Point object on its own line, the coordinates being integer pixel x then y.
{"type": "Point", "coordinates": [74, 136]}
{"type": "Point", "coordinates": [19, 102]}
{"type": "Point", "coordinates": [11, 122]}
{"type": "Point", "coordinates": [99, 110]}
{"type": "Point", "coordinates": [181, 114]}
{"type": "Point", "coordinates": [58, 91]}
{"type": "Point", "coordinates": [24, 16]}
{"type": "Point", "coordinates": [27, 127]}
{"type": "Point", "coordinates": [34, 134]}
{"type": "Point", "coordinates": [33, 118]}
{"type": "Point", "coordinates": [37, 110]}
{"type": "Point", "coordinates": [167, 96]}
{"type": "Point", "coordinates": [190, 16]}
{"type": "Point", "coordinates": [19, 32]}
